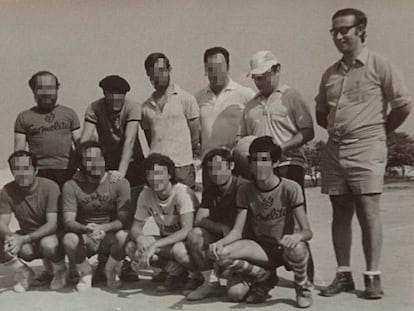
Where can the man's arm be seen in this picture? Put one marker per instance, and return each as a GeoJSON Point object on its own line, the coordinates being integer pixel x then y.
{"type": "Point", "coordinates": [186, 221]}
{"type": "Point", "coordinates": [194, 126]}
{"type": "Point", "coordinates": [76, 135]}
{"type": "Point", "coordinates": [301, 138]}
{"type": "Point", "coordinates": [4, 226]}
{"type": "Point", "coordinates": [148, 136]}
{"type": "Point", "coordinates": [47, 229]}
{"type": "Point", "coordinates": [88, 132]}
{"type": "Point", "coordinates": [131, 132]}
{"type": "Point", "coordinates": [396, 117]}
{"type": "Point", "coordinates": [19, 141]}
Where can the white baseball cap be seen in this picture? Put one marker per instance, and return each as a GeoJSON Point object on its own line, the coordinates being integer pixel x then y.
{"type": "Point", "coordinates": [261, 62]}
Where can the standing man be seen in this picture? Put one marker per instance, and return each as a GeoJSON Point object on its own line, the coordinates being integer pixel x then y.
{"type": "Point", "coordinates": [95, 210]}
{"type": "Point", "coordinates": [279, 111]}
{"type": "Point", "coordinates": [116, 120]}
{"type": "Point", "coordinates": [221, 103]}
{"type": "Point", "coordinates": [352, 104]}
{"type": "Point", "coordinates": [34, 202]}
{"type": "Point", "coordinates": [170, 118]}
{"type": "Point", "coordinates": [48, 129]}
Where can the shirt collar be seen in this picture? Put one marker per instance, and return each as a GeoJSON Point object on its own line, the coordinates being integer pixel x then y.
{"type": "Point", "coordinates": [231, 85]}
{"type": "Point", "coordinates": [361, 58]}
{"type": "Point", "coordinates": [174, 89]}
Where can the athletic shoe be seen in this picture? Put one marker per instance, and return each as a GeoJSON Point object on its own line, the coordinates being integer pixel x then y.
{"type": "Point", "coordinates": [304, 295]}
{"type": "Point", "coordinates": [99, 276]}
{"type": "Point", "coordinates": [259, 292]}
{"type": "Point", "coordinates": [193, 282]}
{"type": "Point", "coordinates": [127, 273]}
{"type": "Point", "coordinates": [85, 279]}
{"type": "Point", "coordinates": [206, 290]}
{"type": "Point", "coordinates": [343, 282]}
{"type": "Point", "coordinates": [176, 277]}
{"type": "Point", "coordinates": [160, 277]}
{"type": "Point", "coordinates": [73, 276]}
{"type": "Point", "coordinates": [44, 278]}
{"type": "Point", "coordinates": [24, 277]}
{"type": "Point", "coordinates": [373, 289]}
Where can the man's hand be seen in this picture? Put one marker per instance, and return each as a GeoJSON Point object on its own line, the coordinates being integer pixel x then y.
{"type": "Point", "coordinates": [115, 176]}
{"type": "Point", "coordinates": [290, 240]}
{"type": "Point", "coordinates": [215, 250]}
{"type": "Point", "coordinates": [13, 244]}
{"type": "Point", "coordinates": [145, 259]}
{"type": "Point", "coordinates": [95, 232]}
{"type": "Point", "coordinates": [143, 244]}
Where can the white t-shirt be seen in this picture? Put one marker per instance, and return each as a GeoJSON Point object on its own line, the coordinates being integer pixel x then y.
{"type": "Point", "coordinates": [166, 213]}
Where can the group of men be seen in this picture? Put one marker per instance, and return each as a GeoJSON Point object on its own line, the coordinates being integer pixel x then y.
{"type": "Point", "coordinates": [75, 192]}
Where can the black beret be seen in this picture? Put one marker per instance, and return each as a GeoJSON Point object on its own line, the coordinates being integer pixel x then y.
{"type": "Point", "coordinates": [114, 83]}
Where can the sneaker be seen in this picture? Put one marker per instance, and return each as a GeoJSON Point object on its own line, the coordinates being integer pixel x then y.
{"type": "Point", "coordinates": [44, 278]}
{"type": "Point", "coordinates": [127, 273]}
{"type": "Point", "coordinates": [206, 290]}
{"type": "Point", "coordinates": [373, 289]}
{"type": "Point", "coordinates": [160, 277]}
{"type": "Point", "coordinates": [85, 279]}
{"type": "Point", "coordinates": [259, 292]}
{"type": "Point", "coordinates": [304, 295]}
{"type": "Point", "coordinates": [24, 277]}
{"type": "Point", "coordinates": [73, 276]}
{"type": "Point", "coordinates": [176, 277]}
{"type": "Point", "coordinates": [59, 280]}
{"type": "Point", "coordinates": [193, 282]}
{"type": "Point", "coordinates": [343, 282]}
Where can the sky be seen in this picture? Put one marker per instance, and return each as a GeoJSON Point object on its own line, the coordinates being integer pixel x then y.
{"type": "Point", "coordinates": [83, 41]}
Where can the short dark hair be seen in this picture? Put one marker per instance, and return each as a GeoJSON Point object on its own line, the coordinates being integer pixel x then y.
{"type": "Point", "coordinates": [266, 144]}
{"type": "Point", "coordinates": [22, 153]}
{"type": "Point", "coordinates": [222, 152]}
{"type": "Point", "coordinates": [360, 18]}
{"type": "Point", "coordinates": [217, 50]}
{"type": "Point", "coordinates": [153, 58]}
{"type": "Point", "coordinates": [162, 160]}
{"type": "Point", "coordinates": [33, 80]}
{"type": "Point", "coordinates": [83, 147]}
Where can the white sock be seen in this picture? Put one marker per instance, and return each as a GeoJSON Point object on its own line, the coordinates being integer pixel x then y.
{"type": "Point", "coordinates": [376, 272]}
{"type": "Point", "coordinates": [344, 269]}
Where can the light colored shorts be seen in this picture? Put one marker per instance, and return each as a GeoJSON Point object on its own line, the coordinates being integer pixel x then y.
{"type": "Point", "coordinates": [354, 168]}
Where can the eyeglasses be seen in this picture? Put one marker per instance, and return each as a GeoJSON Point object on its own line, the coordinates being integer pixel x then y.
{"type": "Point", "coordinates": [342, 30]}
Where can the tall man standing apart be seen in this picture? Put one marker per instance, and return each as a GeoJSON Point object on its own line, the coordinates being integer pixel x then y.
{"type": "Point", "coordinates": [221, 103]}
{"type": "Point", "coordinates": [170, 118]}
{"type": "Point", "coordinates": [352, 105]}
{"type": "Point", "coordinates": [279, 111]}
{"type": "Point", "coordinates": [48, 129]}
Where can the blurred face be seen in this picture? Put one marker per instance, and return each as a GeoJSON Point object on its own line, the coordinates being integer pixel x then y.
{"type": "Point", "coordinates": [219, 170]}
{"type": "Point", "coordinates": [158, 178]}
{"type": "Point", "coordinates": [216, 70]}
{"type": "Point", "coordinates": [267, 82]}
{"type": "Point", "coordinates": [114, 101]}
{"type": "Point", "coordinates": [45, 91]}
{"type": "Point", "coordinates": [261, 165]}
{"type": "Point", "coordinates": [346, 34]}
{"type": "Point", "coordinates": [23, 171]}
{"type": "Point", "coordinates": [93, 162]}
{"type": "Point", "coordinates": [159, 75]}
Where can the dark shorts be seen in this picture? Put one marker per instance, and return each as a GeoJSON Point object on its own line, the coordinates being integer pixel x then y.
{"type": "Point", "coordinates": [186, 175]}
{"type": "Point", "coordinates": [274, 252]}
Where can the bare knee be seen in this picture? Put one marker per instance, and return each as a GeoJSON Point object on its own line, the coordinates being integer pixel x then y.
{"type": "Point", "coordinates": [237, 289]}
{"type": "Point", "coordinates": [298, 253]}
{"type": "Point", "coordinates": [195, 238]}
{"type": "Point", "coordinates": [70, 240]}
{"type": "Point", "coordinates": [130, 249]}
{"type": "Point", "coordinates": [49, 243]}
{"type": "Point", "coordinates": [120, 237]}
{"type": "Point", "coordinates": [180, 251]}
{"type": "Point", "coordinates": [26, 252]}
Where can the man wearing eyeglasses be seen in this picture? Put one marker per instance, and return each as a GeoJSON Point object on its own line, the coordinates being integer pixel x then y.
{"type": "Point", "coordinates": [352, 105]}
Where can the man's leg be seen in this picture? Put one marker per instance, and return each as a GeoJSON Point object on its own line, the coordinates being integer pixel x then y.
{"type": "Point", "coordinates": [197, 243]}
{"type": "Point", "coordinates": [52, 252]}
{"type": "Point", "coordinates": [297, 258]}
{"type": "Point", "coordinates": [343, 212]}
{"type": "Point", "coordinates": [76, 250]}
{"type": "Point", "coordinates": [114, 262]}
{"type": "Point", "coordinates": [368, 213]}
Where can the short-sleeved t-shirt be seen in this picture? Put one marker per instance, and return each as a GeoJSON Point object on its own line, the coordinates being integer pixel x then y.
{"type": "Point", "coordinates": [49, 134]}
{"type": "Point", "coordinates": [282, 115]}
{"type": "Point", "coordinates": [30, 207]}
{"type": "Point", "coordinates": [267, 211]}
{"type": "Point", "coordinates": [356, 101]}
{"type": "Point", "coordinates": [111, 130]}
{"type": "Point", "coordinates": [95, 204]}
{"type": "Point", "coordinates": [170, 134]}
{"type": "Point", "coordinates": [166, 213]}
{"type": "Point", "coordinates": [220, 115]}
{"type": "Point", "coordinates": [222, 206]}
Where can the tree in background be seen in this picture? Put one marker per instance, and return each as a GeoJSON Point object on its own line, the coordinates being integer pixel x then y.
{"type": "Point", "coordinates": [313, 157]}
{"type": "Point", "coordinates": [400, 151]}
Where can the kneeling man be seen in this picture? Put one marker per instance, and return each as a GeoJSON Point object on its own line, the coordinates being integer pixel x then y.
{"type": "Point", "coordinates": [33, 201]}
{"type": "Point", "coordinates": [94, 214]}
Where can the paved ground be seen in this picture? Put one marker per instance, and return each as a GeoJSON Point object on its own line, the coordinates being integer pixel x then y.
{"type": "Point", "coordinates": [397, 265]}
